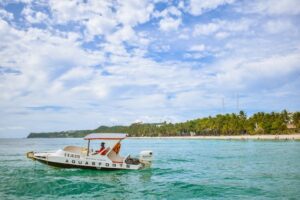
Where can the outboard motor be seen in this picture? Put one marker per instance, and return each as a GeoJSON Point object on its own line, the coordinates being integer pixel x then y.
{"type": "Point", "coordinates": [146, 158]}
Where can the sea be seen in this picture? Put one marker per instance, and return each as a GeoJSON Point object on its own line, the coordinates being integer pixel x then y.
{"type": "Point", "coordinates": [182, 169]}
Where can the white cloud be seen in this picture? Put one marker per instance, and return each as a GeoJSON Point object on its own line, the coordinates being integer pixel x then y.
{"type": "Point", "coordinates": [194, 55]}
{"type": "Point", "coordinates": [277, 26]}
{"type": "Point", "coordinates": [184, 33]}
{"type": "Point", "coordinates": [133, 12]}
{"type": "Point", "coordinates": [77, 73]}
{"type": "Point", "coordinates": [169, 24]}
{"type": "Point", "coordinates": [5, 14]}
{"type": "Point", "coordinates": [222, 35]}
{"type": "Point", "coordinates": [34, 16]}
{"type": "Point", "coordinates": [197, 7]}
{"type": "Point", "coordinates": [99, 25]}
{"type": "Point", "coordinates": [170, 18]}
{"type": "Point", "coordinates": [97, 16]}
{"type": "Point", "coordinates": [222, 28]}
{"type": "Point", "coordinates": [123, 34]}
{"type": "Point", "coordinates": [183, 36]}
{"type": "Point", "coordinates": [40, 57]}
{"type": "Point", "coordinates": [181, 4]}
{"type": "Point", "coordinates": [161, 48]}
{"type": "Point", "coordinates": [265, 72]}
{"type": "Point", "coordinates": [205, 29]}
{"type": "Point", "coordinates": [200, 47]}
{"type": "Point", "coordinates": [286, 7]}
{"type": "Point", "coordinates": [64, 11]}
{"type": "Point", "coordinates": [237, 25]}
{"type": "Point", "coordinates": [102, 17]}
{"type": "Point", "coordinates": [169, 11]}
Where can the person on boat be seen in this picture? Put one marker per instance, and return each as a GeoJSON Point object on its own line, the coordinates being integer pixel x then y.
{"type": "Point", "coordinates": [102, 147]}
{"type": "Point", "coordinates": [102, 150]}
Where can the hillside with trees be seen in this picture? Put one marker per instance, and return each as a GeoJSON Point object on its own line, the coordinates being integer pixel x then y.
{"type": "Point", "coordinates": [227, 124]}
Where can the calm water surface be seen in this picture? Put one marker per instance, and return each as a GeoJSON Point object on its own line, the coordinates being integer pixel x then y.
{"type": "Point", "coordinates": [182, 169]}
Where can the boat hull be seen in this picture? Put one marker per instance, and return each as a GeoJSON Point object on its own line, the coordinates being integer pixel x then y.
{"type": "Point", "coordinates": [52, 159]}
{"type": "Point", "coordinates": [63, 165]}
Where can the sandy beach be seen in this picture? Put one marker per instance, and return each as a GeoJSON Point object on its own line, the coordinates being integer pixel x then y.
{"type": "Point", "coordinates": [234, 137]}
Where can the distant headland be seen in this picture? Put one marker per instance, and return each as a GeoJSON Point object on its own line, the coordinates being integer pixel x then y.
{"type": "Point", "coordinates": [274, 123]}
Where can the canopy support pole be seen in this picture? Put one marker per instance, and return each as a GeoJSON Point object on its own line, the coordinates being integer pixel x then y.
{"type": "Point", "coordinates": [88, 150]}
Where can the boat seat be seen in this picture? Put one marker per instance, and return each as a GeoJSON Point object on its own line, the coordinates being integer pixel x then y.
{"type": "Point", "coordinates": [75, 149]}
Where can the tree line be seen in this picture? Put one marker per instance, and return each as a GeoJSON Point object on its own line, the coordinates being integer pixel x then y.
{"type": "Point", "coordinates": [222, 124]}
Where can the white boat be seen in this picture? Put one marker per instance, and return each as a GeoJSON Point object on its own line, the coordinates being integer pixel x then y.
{"type": "Point", "coordinates": [107, 157]}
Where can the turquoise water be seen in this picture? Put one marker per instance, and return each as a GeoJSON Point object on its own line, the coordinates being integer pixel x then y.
{"type": "Point", "coordinates": [182, 169]}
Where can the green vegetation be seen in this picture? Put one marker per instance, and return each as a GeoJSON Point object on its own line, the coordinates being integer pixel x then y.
{"type": "Point", "coordinates": [228, 124]}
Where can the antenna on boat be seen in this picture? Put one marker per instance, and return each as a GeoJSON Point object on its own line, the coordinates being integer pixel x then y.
{"type": "Point", "coordinates": [237, 102]}
{"type": "Point", "coordinates": [223, 105]}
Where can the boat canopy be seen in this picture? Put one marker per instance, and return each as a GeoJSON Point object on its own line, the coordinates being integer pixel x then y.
{"type": "Point", "coordinates": [105, 136]}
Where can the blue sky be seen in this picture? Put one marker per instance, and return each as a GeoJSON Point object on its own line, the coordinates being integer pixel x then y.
{"type": "Point", "coordinates": [80, 64]}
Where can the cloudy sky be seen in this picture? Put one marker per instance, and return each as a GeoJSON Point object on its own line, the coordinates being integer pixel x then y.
{"type": "Point", "coordinates": [79, 64]}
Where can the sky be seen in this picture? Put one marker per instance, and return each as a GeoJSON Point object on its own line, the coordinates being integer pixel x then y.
{"type": "Point", "coordinates": [79, 64]}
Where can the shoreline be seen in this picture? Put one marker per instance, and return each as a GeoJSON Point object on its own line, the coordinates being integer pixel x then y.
{"type": "Point", "coordinates": [233, 137]}
{"type": "Point", "coordinates": [295, 136]}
